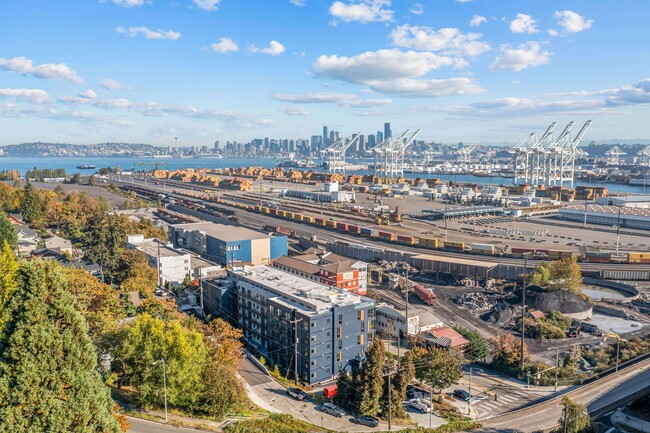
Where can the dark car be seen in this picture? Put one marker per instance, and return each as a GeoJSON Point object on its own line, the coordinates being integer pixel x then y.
{"type": "Point", "coordinates": [413, 391]}
{"type": "Point", "coordinates": [297, 393]}
{"type": "Point", "coordinates": [462, 394]}
{"type": "Point", "coordinates": [332, 409]}
{"type": "Point", "coordinates": [366, 420]}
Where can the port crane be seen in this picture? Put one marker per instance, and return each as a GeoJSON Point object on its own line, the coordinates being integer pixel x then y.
{"type": "Point", "coordinates": [389, 155]}
{"type": "Point", "coordinates": [334, 155]}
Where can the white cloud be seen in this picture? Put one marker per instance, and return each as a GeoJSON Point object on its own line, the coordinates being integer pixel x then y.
{"type": "Point", "coordinates": [523, 56]}
{"type": "Point", "coordinates": [572, 22]}
{"type": "Point", "coordinates": [341, 99]}
{"type": "Point", "coordinates": [275, 48]}
{"type": "Point", "coordinates": [410, 88]}
{"type": "Point", "coordinates": [110, 84]}
{"type": "Point", "coordinates": [523, 24]}
{"type": "Point", "coordinates": [449, 41]}
{"type": "Point", "coordinates": [15, 111]}
{"type": "Point", "coordinates": [224, 45]}
{"type": "Point", "coordinates": [36, 96]}
{"type": "Point", "coordinates": [294, 111]}
{"type": "Point", "coordinates": [97, 102]}
{"type": "Point", "coordinates": [300, 3]}
{"type": "Point", "coordinates": [49, 71]}
{"type": "Point", "coordinates": [417, 9]}
{"type": "Point", "coordinates": [148, 33]}
{"type": "Point", "coordinates": [89, 94]}
{"type": "Point", "coordinates": [363, 11]}
{"type": "Point", "coordinates": [208, 5]}
{"type": "Point", "coordinates": [130, 3]}
{"type": "Point", "coordinates": [553, 32]}
{"type": "Point", "coordinates": [477, 20]}
{"type": "Point", "coordinates": [463, 1]}
{"type": "Point", "coordinates": [637, 93]}
{"type": "Point", "coordinates": [379, 65]}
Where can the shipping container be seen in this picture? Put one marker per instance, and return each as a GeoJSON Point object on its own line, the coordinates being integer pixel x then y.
{"type": "Point", "coordinates": [342, 227]}
{"type": "Point", "coordinates": [386, 235]}
{"type": "Point", "coordinates": [429, 242]}
{"type": "Point", "coordinates": [308, 219]}
{"type": "Point", "coordinates": [639, 257]}
{"type": "Point", "coordinates": [330, 223]}
{"type": "Point", "coordinates": [289, 215]}
{"type": "Point", "coordinates": [258, 208]}
{"type": "Point", "coordinates": [483, 248]}
{"type": "Point", "coordinates": [354, 229]}
{"type": "Point", "coordinates": [410, 240]}
{"type": "Point", "coordinates": [559, 254]}
{"type": "Point", "coordinates": [366, 231]}
{"type": "Point", "coordinates": [265, 209]}
{"type": "Point", "coordinates": [319, 221]}
{"type": "Point", "coordinates": [284, 231]}
{"type": "Point", "coordinates": [458, 246]}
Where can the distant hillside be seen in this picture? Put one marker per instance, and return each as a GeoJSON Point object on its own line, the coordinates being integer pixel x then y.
{"type": "Point", "coordinates": [64, 149]}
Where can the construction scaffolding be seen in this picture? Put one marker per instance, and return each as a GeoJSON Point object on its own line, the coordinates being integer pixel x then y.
{"type": "Point", "coordinates": [389, 155]}
{"type": "Point", "coordinates": [548, 160]}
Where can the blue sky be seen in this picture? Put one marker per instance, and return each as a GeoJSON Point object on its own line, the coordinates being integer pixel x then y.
{"type": "Point", "coordinates": [84, 71]}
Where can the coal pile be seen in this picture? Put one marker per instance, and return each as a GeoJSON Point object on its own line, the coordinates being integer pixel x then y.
{"type": "Point", "coordinates": [561, 301]}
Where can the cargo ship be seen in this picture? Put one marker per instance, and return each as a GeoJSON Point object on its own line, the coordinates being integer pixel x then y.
{"type": "Point", "coordinates": [86, 167]}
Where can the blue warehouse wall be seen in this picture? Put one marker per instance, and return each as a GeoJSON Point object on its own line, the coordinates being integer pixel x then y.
{"type": "Point", "coordinates": [279, 246]}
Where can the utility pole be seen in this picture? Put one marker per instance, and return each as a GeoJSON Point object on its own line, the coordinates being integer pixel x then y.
{"type": "Point", "coordinates": [430, 404]}
{"type": "Point", "coordinates": [390, 402]}
{"type": "Point", "coordinates": [164, 383]}
{"type": "Point", "coordinates": [618, 229]}
{"type": "Point", "coordinates": [584, 225]}
{"type": "Point", "coordinates": [295, 348]}
{"type": "Point", "coordinates": [158, 263]}
{"type": "Point", "coordinates": [557, 365]}
{"type": "Point", "coordinates": [523, 314]}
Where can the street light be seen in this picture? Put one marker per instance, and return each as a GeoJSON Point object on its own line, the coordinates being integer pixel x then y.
{"type": "Point", "coordinates": [164, 383]}
{"type": "Point", "coordinates": [557, 364]}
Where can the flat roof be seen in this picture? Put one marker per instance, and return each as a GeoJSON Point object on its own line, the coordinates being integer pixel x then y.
{"type": "Point", "coordinates": [306, 295]}
{"type": "Point", "coordinates": [224, 232]}
{"type": "Point", "coordinates": [150, 248]}
{"type": "Point", "coordinates": [460, 261]}
{"type": "Point", "coordinates": [463, 210]}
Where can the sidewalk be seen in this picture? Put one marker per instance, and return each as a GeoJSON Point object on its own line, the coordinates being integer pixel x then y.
{"type": "Point", "coordinates": [621, 418]}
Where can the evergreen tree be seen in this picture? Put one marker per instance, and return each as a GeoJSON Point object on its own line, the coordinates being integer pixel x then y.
{"type": "Point", "coordinates": [31, 205]}
{"type": "Point", "coordinates": [575, 417]}
{"type": "Point", "coordinates": [48, 380]}
{"type": "Point", "coordinates": [372, 378]}
{"type": "Point", "coordinates": [7, 231]}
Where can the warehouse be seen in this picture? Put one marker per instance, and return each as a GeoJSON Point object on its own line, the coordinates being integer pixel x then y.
{"type": "Point", "coordinates": [228, 244]}
{"type": "Point", "coordinates": [631, 217]}
{"type": "Point", "coordinates": [460, 212]}
{"type": "Point", "coordinates": [475, 269]}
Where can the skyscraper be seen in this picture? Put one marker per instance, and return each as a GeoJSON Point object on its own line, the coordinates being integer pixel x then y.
{"type": "Point", "coordinates": [380, 137]}
{"type": "Point", "coordinates": [387, 132]}
{"type": "Point", "coordinates": [325, 136]}
{"type": "Point", "coordinates": [361, 144]}
{"type": "Point", "coordinates": [371, 141]}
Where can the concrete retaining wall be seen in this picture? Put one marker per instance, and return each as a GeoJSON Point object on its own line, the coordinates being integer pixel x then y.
{"type": "Point", "coordinates": [631, 292]}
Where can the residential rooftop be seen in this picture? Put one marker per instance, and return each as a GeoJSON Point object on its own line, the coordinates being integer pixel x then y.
{"type": "Point", "coordinates": [310, 296]}
{"type": "Point", "coordinates": [153, 248]}
{"type": "Point", "coordinates": [227, 233]}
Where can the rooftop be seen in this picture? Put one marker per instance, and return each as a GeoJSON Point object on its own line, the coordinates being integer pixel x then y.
{"type": "Point", "coordinates": [294, 263]}
{"type": "Point", "coordinates": [457, 260]}
{"type": "Point", "coordinates": [227, 233]}
{"type": "Point", "coordinates": [309, 296]}
{"type": "Point", "coordinates": [153, 248]}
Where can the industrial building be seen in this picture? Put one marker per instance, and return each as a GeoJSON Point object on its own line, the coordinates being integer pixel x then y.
{"type": "Point", "coordinates": [460, 212]}
{"type": "Point", "coordinates": [632, 217]}
{"type": "Point", "coordinates": [331, 194]}
{"type": "Point", "coordinates": [637, 201]}
{"type": "Point", "coordinates": [228, 244]}
{"type": "Point", "coordinates": [286, 317]}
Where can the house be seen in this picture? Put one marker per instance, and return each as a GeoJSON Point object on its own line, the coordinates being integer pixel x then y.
{"type": "Point", "coordinates": [446, 337]}
{"type": "Point", "coordinates": [56, 242]}
{"type": "Point", "coordinates": [172, 265]}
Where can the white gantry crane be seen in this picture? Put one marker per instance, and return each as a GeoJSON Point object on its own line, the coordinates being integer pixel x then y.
{"type": "Point", "coordinates": [644, 156]}
{"type": "Point", "coordinates": [464, 154]}
{"type": "Point", "coordinates": [614, 155]}
{"type": "Point", "coordinates": [389, 155]}
{"type": "Point", "coordinates": [334, 155]}
{"type": "Point", "coordinates": [548, 160]}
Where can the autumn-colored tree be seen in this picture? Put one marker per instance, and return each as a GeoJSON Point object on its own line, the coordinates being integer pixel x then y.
{"type": "Point", "coordinates": [506, 350]}
{"type": "Point", "coordinates": [439, 368]}
{"type": "Point", "coordinates": [566, 275]}
{"type": "Point", "coordinates": [133, 273]}
{"type": "Point", "coordinates": [8, 270]}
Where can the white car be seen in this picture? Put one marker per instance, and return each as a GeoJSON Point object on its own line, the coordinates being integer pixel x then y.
{"type": "Point", "coordinates": [419, 404]}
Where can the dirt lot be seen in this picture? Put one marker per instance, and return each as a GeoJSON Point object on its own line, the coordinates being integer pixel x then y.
{"type": "Point", "coordinates": [114, 200]}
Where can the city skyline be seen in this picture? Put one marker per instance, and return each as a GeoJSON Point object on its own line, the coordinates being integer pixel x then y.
{"type": "Point", "coordinates": [206, 70]}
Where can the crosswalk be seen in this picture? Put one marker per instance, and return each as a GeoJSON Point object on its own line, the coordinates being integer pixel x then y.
{"type": "Point", "coordinates": [504, 402]}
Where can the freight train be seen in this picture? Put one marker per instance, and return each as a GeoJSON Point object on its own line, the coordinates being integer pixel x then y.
{"type": "Point", "coordinates": [388, 236]}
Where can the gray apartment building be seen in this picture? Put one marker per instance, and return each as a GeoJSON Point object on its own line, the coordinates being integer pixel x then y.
{"type": "Point", "coordinates": [334, 327]}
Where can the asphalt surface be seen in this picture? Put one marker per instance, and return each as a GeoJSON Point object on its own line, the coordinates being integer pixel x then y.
{"type": "Point", "coordinates": [142, 426]}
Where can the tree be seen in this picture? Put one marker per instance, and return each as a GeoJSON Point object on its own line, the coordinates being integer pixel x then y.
{"type": "Point", "coordinates": [506, 350]}
{"type": "Point", "coordinates": [478, 346]}
{"type": "Point", "coordinates": [76, 178]}
{"type": "Point", "coordinates": [31, 205]}
{"type": "Point", "coordinates": [92, 180]}
{"type": "Point", "coordinates": [133, 273]}
{"type": "Point", "coordinates": [399, 381]}
{"type": "Point", "coordinates": [439, 368]}
{"type": "Point", "coordinates": [148, 340]}
{"type": "Point", "coordinates": [48, 380]}
{"type": "Point", "coordinates": [541, 275]}
{"type": "Point", "coordinates": [575, 417]}
{"type": "Point", "coordinates": [372, 378]}
{"type": "Point", "coordinates": [348, 393]}
{"type": "Point", "coordinates": [566, 275]}
{"type": "Point", "coordinates": [8, 269]}
{"type": "Point", "coordinates": [7, 232]}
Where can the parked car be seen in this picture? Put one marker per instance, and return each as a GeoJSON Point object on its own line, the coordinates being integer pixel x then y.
{"type": "Point", "coordinates": [332, 409]}
{"type": "Point", "coordinates": [461, 394]}
{"type": "Point", "coordinates": [419, 404]}
{"type": "Point", "coordinates": [366, 420]}
{"type": "Point", "coordinates": [297, 393]}
{"type": "Point", "coordinates": [413, 391]}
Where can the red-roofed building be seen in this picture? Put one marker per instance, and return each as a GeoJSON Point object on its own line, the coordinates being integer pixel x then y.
{"type": "Point", "coordinates": [446, 337]}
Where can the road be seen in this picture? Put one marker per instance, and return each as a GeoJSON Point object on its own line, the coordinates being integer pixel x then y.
{"type": "Point", "coordinates": [545, 415]}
